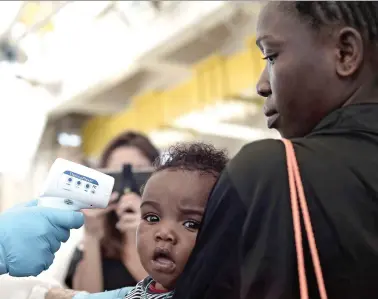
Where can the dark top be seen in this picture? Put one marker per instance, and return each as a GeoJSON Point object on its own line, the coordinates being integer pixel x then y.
{"type": "Point", "coordinates": [114, 273]}
{"type": "Point", "coordinates": [245, 248]}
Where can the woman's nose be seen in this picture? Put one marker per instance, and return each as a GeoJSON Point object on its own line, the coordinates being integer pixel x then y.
{"type": "Point", "coordinates": [263, 85]}
{"type": "Point", "coordinates": [165, 234]}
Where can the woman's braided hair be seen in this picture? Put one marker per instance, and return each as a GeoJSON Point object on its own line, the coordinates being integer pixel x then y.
{"type": "Point", "coordinates": [361, 15]}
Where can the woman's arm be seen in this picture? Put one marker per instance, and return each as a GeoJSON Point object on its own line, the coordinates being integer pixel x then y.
{"type": "Point", "coordinates": [88, 275]}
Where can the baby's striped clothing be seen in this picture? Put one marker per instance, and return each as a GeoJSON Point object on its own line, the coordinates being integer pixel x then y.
{"type": "Point", "coordinates": [143, 291]}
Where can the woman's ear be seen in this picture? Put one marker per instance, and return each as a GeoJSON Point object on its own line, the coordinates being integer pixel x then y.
{"type": "Point", "coordinates": [350, 51]}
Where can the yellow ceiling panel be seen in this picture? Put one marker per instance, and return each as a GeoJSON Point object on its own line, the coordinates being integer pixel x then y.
{"type": "Point", "coordinates": [35, 11]}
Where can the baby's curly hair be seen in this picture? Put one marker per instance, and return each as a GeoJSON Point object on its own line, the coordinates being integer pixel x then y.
{"type": "Point", "coordinates": [196, 156]}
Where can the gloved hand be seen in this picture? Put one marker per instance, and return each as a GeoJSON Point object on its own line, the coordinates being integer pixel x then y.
{"type": "Point", "coordinates": [30, 235]}
{"type": "Point", "coordinates": [116, 294]}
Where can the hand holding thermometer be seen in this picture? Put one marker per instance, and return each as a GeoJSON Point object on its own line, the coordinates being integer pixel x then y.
{"type": "Point", "coordinates": [71, 186]}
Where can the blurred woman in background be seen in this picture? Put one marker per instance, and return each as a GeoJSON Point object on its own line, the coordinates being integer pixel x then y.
{"type": "Point", "coordinates": [109, 259]}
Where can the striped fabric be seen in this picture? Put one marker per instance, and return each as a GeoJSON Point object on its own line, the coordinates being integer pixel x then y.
{"type": "Point", "coordinates": [142, 291]}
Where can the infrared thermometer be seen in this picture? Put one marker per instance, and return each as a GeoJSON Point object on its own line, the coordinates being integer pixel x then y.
{"type": "Point", "coordinates": [71, 186]}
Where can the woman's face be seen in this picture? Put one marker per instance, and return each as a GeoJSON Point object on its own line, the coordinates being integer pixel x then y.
{"type": "Point", "coordinates": [299, 81]}
{"type": "Point", "coordinates": [128, 208]}
{"type": "Point", "coordinates": [127, 155]}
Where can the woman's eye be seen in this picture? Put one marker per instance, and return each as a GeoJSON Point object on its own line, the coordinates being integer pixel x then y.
{"type": "Point", "coordinates": [270, 58]}
{"type": "Point", "coordinates": [151, 218]}
{"type": "Point", "coordinates": [193, 225]}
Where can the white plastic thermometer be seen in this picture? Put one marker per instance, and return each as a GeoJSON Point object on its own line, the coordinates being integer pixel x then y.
{"type": "Point", "coordinates": [72, 186]}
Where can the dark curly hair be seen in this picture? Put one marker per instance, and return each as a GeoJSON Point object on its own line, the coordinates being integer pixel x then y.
{"type": "Point", "coordinates": [193, 157]}
{"type": "Point", "coordinates": [361, 15]}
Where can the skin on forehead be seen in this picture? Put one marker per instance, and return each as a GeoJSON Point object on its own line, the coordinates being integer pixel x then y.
{"type": "Point", "coordinates": [184, 189]}
{"type": "Point", "coordinates": [288, 16]}
{"type": "Point", "coordinates": [280, 25]}
{"type": "Point", "coordinates": [127, 155]}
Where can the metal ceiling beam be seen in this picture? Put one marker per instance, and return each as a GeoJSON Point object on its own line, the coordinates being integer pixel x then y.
{"type": "Point", "coordinates": [38, 25]}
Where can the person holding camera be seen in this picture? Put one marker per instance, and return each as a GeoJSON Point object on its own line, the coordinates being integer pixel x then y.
{"type": "Point", "coordinates": [108, 259]}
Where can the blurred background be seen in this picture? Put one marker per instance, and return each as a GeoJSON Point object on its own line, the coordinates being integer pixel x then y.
{"type": "Point", "coordinates": [76, 74]}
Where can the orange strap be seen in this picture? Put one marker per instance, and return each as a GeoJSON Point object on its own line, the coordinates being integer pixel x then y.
{"type": "Point", "coordinates": [296, 189]}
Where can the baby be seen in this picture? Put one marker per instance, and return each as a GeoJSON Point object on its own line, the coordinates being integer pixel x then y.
{"type": "Point", "coordinates": [172, 206]}
{"type": "Point", "coordinates": [173, 203]}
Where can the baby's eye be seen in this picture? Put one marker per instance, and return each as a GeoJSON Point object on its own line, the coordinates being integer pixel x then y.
{"type": "Point", "coordinates": [192, 225]}
{"type": "Point", "coordinates": [151, 218]}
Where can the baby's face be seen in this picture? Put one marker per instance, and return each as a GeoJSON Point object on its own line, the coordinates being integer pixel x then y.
{"type": "Point", "coordinates": [172, 207]}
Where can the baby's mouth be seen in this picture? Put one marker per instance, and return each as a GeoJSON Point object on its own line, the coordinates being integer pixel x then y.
{"type": "Point", "coordinates": [162, 261]}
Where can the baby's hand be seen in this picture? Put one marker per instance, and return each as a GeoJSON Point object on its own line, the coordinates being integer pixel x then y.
{"type": "Point", "coordinates": [59, 293]}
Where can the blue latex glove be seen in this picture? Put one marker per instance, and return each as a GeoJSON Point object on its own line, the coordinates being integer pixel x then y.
{"type": "Point", "coordinates": [30, 235]}
{"type": "Point", "coordinates": [116, 294]}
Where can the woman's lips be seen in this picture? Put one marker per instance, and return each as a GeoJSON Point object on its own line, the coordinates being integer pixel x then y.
{"type": "Point", "coordinates": [271, 120]}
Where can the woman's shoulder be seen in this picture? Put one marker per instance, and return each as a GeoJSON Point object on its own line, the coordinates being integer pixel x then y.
{"type": "Point", "coordinates": [262, 155]}
{"type": "Point", "coordinates": [262, 164]}
{"type": "Point", "coordinates": [268, 155]}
